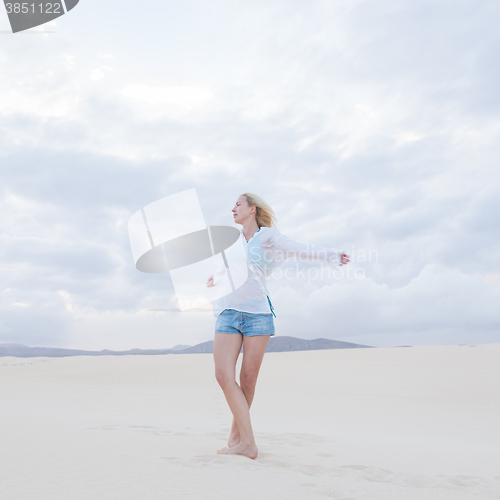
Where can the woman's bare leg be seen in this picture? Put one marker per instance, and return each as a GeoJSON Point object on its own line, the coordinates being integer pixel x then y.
{"type": "Point", "coordinates": [253, 353]}
{"type": "Point", "coordinates": [226, 350]}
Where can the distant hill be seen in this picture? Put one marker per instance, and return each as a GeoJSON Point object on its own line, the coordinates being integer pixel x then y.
{"type": "Point", "coordinates": [276, 344]}
{"type": "Point", "coordinates": [23, 351]}
{"type": "Point", "coordinates": [284, 344]}
{"type": "Point", "coordinates": [179, 347]}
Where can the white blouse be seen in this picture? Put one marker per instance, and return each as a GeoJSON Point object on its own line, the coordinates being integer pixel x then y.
{"type": "Point", "coordinates": [266, 250]}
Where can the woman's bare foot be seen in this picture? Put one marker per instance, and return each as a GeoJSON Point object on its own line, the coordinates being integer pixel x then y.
{"type": "Point", "coordinates": [249, 451]}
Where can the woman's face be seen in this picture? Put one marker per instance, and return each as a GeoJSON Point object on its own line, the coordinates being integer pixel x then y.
{"type": "Point", "coordinates": [241, 211]}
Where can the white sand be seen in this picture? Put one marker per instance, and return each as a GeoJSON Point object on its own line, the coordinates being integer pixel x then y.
{"type": "Point", "coordinates": [420, 422]}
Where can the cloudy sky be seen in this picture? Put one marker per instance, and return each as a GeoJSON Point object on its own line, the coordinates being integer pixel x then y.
{"type": "Point", "coordinates": [368, 126]}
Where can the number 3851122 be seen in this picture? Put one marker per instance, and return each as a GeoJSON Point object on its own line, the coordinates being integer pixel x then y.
{"type": "Point", "coordinates": [34, 8]}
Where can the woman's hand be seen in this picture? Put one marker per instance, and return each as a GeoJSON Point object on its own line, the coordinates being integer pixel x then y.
{"type": "Point", "coordinates": [344, 259]}
{"type": "Point", "coordinates": [210, 281]}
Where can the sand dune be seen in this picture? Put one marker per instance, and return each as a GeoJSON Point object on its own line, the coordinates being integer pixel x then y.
{"type": "Point", "coordinates": [346, 424]}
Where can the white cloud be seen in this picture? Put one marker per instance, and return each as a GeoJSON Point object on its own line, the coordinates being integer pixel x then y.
{"type": "Point", "coordinates": [366, 126]}
{"type": "Point", "coordinates": [184, 97]}
{"type": "Point", "coordinates": [438, 306]}
{"type": "Point", "coordinates": [96, 74]}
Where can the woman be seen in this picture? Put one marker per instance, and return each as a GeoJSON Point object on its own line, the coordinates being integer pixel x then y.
{"type": "Point", "coordinates": [246, 314]}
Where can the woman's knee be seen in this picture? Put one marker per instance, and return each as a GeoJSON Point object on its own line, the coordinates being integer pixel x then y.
{"type": "Point", "coordinates": [224, 377]}
{"type": "Point", "coordinates": [248, 378]}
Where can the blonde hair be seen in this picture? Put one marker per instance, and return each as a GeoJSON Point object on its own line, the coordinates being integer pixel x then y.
{"type": "Point", "coordinates": [264, 214]}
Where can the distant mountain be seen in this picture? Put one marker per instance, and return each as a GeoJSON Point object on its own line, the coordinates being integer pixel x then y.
{"type": "Point", "coordinates": [178, 347]}
{"type": "Point", "coordinates": [206, 347]}
{"type": "Point", "coordinates": [23, 351]}
{"type": "Point", "coordinates": [276, 344]}
{"type": "Point", "coordinates": [284, 344]}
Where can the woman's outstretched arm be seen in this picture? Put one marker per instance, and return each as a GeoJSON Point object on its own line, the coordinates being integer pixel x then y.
{"type": "Point", "coordinates": [290, 248]}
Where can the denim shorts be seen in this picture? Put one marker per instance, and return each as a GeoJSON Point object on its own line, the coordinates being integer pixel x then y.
{"type": "Point", "coordinates": [247, 324]}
